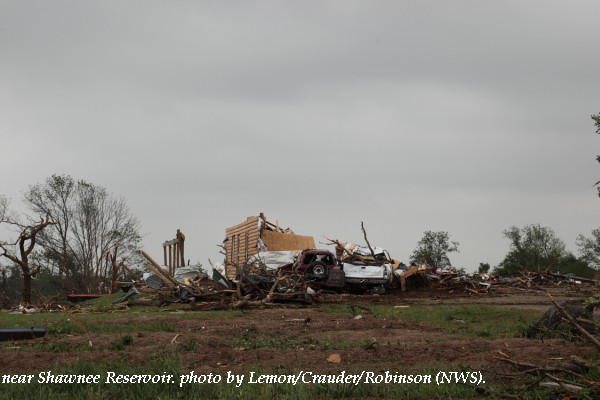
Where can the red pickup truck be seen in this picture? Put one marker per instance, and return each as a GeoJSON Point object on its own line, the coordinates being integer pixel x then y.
{"type": "Point", "coordinates": [315, 262]}
{"type": "Point", "coordinates": [320, 265]}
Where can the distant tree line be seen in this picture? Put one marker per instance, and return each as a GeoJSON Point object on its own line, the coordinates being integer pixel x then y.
{"type": "Point", "coordinates": [69, 238]}
{"type": "Point", "coordinates": [531, 248]}
{"type": "Point", "coordinates": [535, 248]}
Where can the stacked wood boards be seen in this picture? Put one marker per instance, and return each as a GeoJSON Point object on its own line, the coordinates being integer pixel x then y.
{"type": "Point", "coordinates": [243, 242]}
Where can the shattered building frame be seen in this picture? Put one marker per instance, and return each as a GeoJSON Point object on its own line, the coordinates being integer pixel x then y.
{"type": "Point", "coordinates": [256, 234]}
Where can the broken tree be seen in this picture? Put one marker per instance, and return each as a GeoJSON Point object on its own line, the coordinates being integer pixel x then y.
{"type": "Point", "coordinates": [19, 251]}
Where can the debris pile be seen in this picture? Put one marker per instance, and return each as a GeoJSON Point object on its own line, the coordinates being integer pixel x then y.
{"type": "Point", "coordinates": [286, 276]}
{"type": "Point", "coordinates": [568, 377]}
{"type": "Point", "coordinates": [553, 323]}
{"type": "Point", "coordinates": [449, 280]}
{"type": "Point", "coordinates": [266, 264]}
{"type": "Point", "coordinates": [188, 284]}
{"type": "Point", "coordinates": [270, 277]}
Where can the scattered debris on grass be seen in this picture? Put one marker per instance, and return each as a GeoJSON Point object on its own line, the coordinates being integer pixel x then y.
{"type": "Point", "coordinates": [567, 376]}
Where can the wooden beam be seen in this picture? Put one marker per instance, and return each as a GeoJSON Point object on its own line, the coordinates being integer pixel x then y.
{"type": "Point", "coordinates": [154, 267]}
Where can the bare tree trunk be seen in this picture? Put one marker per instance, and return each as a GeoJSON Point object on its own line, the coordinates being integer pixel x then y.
{"type": "Point", "coordinates": [26, 293]}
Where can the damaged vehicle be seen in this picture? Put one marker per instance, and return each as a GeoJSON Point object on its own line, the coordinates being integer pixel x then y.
{"type": "Point", "coordinates": [320, 265]}
{"type": "Point", "coordinates": [287, 272]}
{"type": "Point", "coordinates": [316, 263]}
{"type": "Point", "coordinates": [365, 268]}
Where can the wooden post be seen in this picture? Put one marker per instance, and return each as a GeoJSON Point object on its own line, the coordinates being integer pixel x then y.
{"type": "Point", "coordinates": [175, 256]}
{"type": "Point", "coordinates": [180, 241]}
{"type": "Point", "coordinates": [173, 252]}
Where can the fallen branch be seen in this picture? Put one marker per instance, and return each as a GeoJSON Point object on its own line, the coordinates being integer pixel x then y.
{"type": "Point", "coordinates": [362, 226]}
{"type": "Point", "coordinates": [565, 386]}
{"type": "Point", "coordinates": [572, 320]}
{"type": "Point", "coordinates": [580, 362]}
{"type": "Point", "coordinates": [79, 324]}
{"type": "Point", "coordinates": [530, 368]}
{"type": "Point", "coordinates": [174, 340]}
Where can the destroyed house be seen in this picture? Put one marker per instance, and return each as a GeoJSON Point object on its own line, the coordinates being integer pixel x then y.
{"type": "Point", "coordinates": [256, 234]}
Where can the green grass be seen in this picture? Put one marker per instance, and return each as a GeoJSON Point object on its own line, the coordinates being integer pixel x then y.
{"type": "Point", "coordinates": [472, 320]}
{"type": "Point", "coordinates": [465, 320]}
{"type": "Point", "coordinates": [252, 340]}
{"type": "Point", "coordinates": [189, 345]}
{"type": "Point", "coordinates": [130, 324]}
{"type": "Point", "coordinates": [121, 343]}
{"type": "Point", "coordinates": [153, 320]}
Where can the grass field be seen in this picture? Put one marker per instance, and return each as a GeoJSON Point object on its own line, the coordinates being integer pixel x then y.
{"type": "Point", "coordinates": [153, 341]}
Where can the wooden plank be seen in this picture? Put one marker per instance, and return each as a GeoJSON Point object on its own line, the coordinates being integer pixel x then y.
{"type": "Point", "coordinates": [252, 222]}
{"type": "Point", "coordinates": [243, 232]}
{"type": "Point", "coordinates": [170, 242]}
{"type": "Point", "coordinates": [230, 271]}
{"type": "Point", "coordinates": [154, 267]}
{"type": "Point", "coordinates": [242, 248]}
{"type": "Point", "coordinates": [241, 229]}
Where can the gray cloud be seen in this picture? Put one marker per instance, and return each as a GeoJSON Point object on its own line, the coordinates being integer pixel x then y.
{"type": "Point", "coordinates": [461, 116]}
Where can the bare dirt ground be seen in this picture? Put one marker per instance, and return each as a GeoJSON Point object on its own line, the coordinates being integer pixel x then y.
{"type": "Point", "coordinates": [292, 337]}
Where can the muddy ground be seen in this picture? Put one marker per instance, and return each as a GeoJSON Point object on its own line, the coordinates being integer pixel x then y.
{"type": "Point", "coordinates": [300, 335]}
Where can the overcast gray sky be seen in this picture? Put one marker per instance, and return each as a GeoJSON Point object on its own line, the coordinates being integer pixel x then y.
{"type": "Point", "coordinates": [462, 116]}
